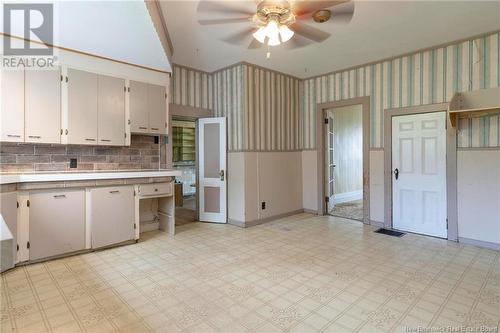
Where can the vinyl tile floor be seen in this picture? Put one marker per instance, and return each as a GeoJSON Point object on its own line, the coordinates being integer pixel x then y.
{"type": "Point", "coordinates": [303, 273]}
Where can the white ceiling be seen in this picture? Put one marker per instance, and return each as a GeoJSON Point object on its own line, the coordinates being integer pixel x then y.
{"type": "Point", "coordinates": [378, 30]}
{"type": "Point", "coordinates": [120, 30]}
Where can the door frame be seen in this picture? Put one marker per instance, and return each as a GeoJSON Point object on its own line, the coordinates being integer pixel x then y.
{"type": "Point", "coordinates": [451, 163]}
{"type": "Point", "coordinates": [191, 113]}
{"type": "Point", "coordinates": [321, 158]}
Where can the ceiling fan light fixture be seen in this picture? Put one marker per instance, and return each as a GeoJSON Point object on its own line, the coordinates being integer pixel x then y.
{"type": "Point", "coordinates": [260, 35]}
{"type": "Point", "coordinates": [285, 33]}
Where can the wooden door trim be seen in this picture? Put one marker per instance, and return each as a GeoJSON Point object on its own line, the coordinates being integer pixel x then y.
{"type": "Point", "coordinates": [451, 164]}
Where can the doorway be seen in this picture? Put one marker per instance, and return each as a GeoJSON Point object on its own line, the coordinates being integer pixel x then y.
{"type": "Point", "coordinates": [419, 173]}
{"type": "Point", "coordinates": [184, 159]}
{"type": "Point", "coordinates": [344, 161]}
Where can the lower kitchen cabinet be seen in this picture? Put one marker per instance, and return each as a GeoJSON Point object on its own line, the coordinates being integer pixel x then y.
{"type": "Point", "coordinates": [56, 223]}
{"type": "Point", "coordinates": [112, 215]}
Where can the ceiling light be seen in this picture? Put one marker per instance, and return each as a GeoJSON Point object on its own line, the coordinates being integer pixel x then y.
{"type": "Point", "coordinates": [285, 33]}
{"type": "Point", "coordinates": [260, 35]}
{"type": "Point", "coordinates": [273, 33]}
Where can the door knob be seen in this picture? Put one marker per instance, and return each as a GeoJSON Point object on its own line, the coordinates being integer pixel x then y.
{"type": "Point", "coordinates": [396, 173]}
{"type": "Point", "coordinates": [221, 174]}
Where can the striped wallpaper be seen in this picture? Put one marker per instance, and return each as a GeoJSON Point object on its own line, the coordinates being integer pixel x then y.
{"type": "Point", "coordinates": [190, 87]}
{"type": "Point", "coordinates": [270, 111]}
{"type": "Point", "coordinates": [426, 77]}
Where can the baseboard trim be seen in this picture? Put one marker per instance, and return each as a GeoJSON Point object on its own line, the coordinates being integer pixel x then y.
{"type": "Point", "coordinates": [378, 224]}
{"type": "Point", "coordinates": [253, 223]}
{"type": "Point", "coordinates": [310, 211]}
{"type": "Point", "coordinates": [479, 243]}
{"type": "Point", "coordinates": [347, 196]}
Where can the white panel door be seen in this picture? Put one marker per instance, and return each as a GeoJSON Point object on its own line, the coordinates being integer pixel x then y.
{"type": "Point", "coordinates": [111, 111]}
{"type": "Point", "coordinates": [12, 106]}
{"type": "Point", "coordinates": [82, 107]}
{"type": "Point", "coordinates": [157, 105]}
{"type": "Point", "coordinates": [139, 113]}
{"type": "Point", "coordinates": [330, 164]}
{"type": "Point", "coordinates": [419, 173]}
{"type": "Point", "coordinates": [212, 170]}
{"type": "Point", "coordinates": [43, 106]}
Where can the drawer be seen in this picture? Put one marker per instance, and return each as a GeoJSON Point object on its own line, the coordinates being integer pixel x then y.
{"type": "Point", "coordinates": [155, 189]}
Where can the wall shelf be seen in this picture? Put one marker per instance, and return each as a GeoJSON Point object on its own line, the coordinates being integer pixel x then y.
{"type": "Point", "coordinates": [474, 104]}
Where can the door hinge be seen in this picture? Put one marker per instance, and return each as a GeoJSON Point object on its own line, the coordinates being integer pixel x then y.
{"type": "Point", "coordinates": [18, 204]}
{"type": "Point", "coordinates": [327, 199]}
{"type": "Point", "coordinates": [446, 224]}
{"type": "Point", "coordinates": [135, 226]}
{"type": "Point", "coordinates": [27, 203]}
{"type": "Point", "coordinates": [67, 79]}
{"type": "Point", "coordinates": [125, 89]}
{"type": "Point", "coordinates": [62, 131]}
{"type": "Point", "coordinates": [326, 120]}
{"type": "Point", "coordinates": [125, 135]}
{"type": "Point", "coordinates": [61, 78]}
{"type": "Point", "coordinates": [17, 247]}
{"type": "Point", "coordinates": [28, 245]}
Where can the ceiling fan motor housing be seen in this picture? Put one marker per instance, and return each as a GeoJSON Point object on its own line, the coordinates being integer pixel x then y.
{"type": "Point", "coordinates": [277, 10]}
{"type": "Point", "coordinates": [322, 15]}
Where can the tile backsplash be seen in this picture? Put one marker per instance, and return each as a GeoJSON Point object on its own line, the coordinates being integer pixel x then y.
{"type": "Point", "coordinates": [142, 154]}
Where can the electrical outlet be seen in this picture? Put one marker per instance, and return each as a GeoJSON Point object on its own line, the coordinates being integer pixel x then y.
{"type": "Point", "coordinates": [263, 205]}
{"type": "Point", "coordinates": [73, 163]}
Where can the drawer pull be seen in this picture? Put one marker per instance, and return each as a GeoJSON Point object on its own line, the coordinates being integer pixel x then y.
{"type": "Point", "coordinates": [34, 136]}
{"type": "Point", "coordinates": [114, 192]}
{"type": "Point", "coordinates": [60, 196]}
{"type": "Point", "coordinates": [89, 139]}
{"type": "Point", "coordinates": [105, 140]}
{"type": "Point", "coordinates": [154, 129]}
{"type": "Point", "coordinates": [13, 136]}
{"type": "Point", "coordinates": [144, 128]}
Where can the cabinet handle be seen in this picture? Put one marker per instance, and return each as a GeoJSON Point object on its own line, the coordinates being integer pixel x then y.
{"type": "Point", "coordinates": [154, 129]}
{"type": "Point", "coordinates": [156, 190]}
{"type": "Point", "coordinates": [144, 128]}
{"type": "Point", "coordinates": [114, 192]}
{"type": "Point", "coordinates": [34, 136]}
{"type": "Point", "coordinates": [105, 140]}
{"type": "Point", "coordinates": [89, 139]}
{"type": "Point", "coordinates": [66, 131]}
{"type": "Point", "coordinates": [60, 196]}
{"type": "Point", "coordinates": [13, 136]}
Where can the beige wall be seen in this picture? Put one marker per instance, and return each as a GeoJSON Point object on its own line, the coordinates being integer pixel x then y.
{"type": "Point", "coordinates": [309, 180]}
{"type": "Point", "coordinates": [377, 186]}
{"type": "Point", "coordinates": [478, 187]}
{"type": "Point", "coordinates": [254, 177]}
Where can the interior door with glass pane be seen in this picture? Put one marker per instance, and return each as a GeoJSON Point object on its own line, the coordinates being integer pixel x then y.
{"type": "Point", "coordinates": [330, 164]}
{"type": "Point", "coordinates": [212, 170]}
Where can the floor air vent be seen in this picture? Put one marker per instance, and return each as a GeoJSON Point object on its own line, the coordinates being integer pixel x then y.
{"type": "Point", "coordinates": [390, 232]}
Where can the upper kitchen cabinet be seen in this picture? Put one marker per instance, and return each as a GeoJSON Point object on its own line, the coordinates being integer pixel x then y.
{"type": "Point", "coordinates": [82, 107]}
{"type": "Point", "coordinates": [139, 113]}
{"type": "Point", "coordinates": [111, 111]}
{"type": "Point", "coordinates": [12, 106]}
{"type": "Point", "coordinates": [43, 106]}
{"type": "Point", "coordinates": [157, 105]}
{"type": "Point", "coordinates": [148, 108]}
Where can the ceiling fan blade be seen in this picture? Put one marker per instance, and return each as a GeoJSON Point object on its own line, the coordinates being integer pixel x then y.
{"type": "Point", "coordinates": [239, 37]}
{"type": "Point", "coordinates": [254, 44]}
{"type": "Point", "coordinates": [225, 21]}
{"type": "Point", "coordinates": [309, 32]}
{"type": "Point", "coordinates": [302, 7]}
{"type": "Point", "coordinates": [296, 43]}
{"type": "Point", "coordinates": [222, 7]}
{"type": "Point", "coordinates": [343, 13]}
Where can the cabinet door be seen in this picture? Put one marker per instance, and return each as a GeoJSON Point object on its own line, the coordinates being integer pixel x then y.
{"type": "Point", "coordinates": [112, 215]}
{"type": "Point", "coordinates": [82, 107]}
{"type": "Point", "coordinates": [43, 106]}
{"type": "Point", "coordinates": [57, 223]}
{"type": "Point", "coordinates": [111, 111]}
{"type": "Point", "coordinates": [12, 106]}
{"type": "Point", "coordinates": [139, 113]}
{"type": "Point", "coordinates": [8, 209]}
{"type": "Point", "coordinates": [157, 105]}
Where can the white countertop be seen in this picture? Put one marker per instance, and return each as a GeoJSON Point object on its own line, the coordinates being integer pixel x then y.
{"type": "Point", "coordinates": [68, 176]}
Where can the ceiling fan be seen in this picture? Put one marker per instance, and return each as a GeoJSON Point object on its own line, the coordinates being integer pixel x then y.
{"type": "Point", "coordinates": [274, 22]}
